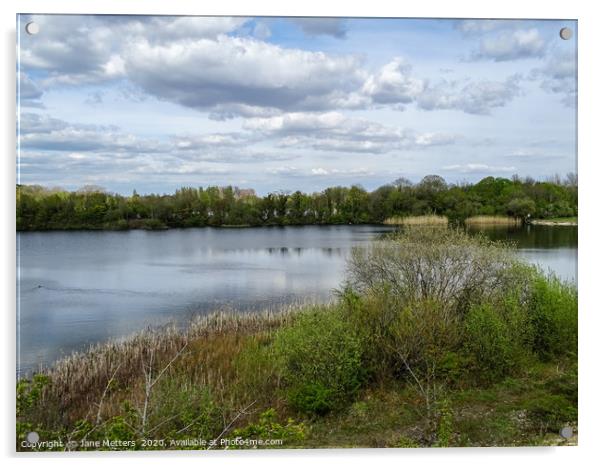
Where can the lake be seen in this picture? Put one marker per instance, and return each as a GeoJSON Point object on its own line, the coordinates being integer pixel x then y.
{"type": "Point", "coordinates": [79, 288]}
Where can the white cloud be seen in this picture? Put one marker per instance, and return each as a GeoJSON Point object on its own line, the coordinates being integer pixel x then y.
{"type": "Point", "coordinates": [481, 26]}
{"type": "Point", "coordinates": [333, 131]}
{"type": "Point", "coordinates": [393, 83]}
{"type": "Point", "coordinates": [475, 97]}
{"type": "Point", "coordinates": [479, 168]}
{"type": "Point", "coordinates": [237, 71]}
{"type": "Point", "coordinates": [511, 45]}
{"type": "Point", "coordinates": [559, 76]}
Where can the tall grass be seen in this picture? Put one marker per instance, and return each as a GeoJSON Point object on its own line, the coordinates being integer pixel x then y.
{"type": "Point", "coordinates": [484, 220]}
{"type": "Point", "coordinates": [438, 220]}
{"type": "Point", "coordinates": [205, 352]}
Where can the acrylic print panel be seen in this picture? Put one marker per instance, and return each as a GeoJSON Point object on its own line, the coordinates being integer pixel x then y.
{"type": "Point", "coordinates": [270, 232]}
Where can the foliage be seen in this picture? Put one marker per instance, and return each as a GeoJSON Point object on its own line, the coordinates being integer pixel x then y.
{"type": "Point", "coordinates": [268, 427]}
{"type": "Point", "coordinates": [320, 361]}
{"type": "Point", "coordinates": [492, 341]}
{"type": "Point", "coordinates": [553, 306]}
{"type": "Point", "coordinates": [40, 208]}
{"type": "Point", "coordinates": [430, 263]}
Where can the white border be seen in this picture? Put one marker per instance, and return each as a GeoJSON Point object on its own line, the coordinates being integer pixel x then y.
{"type": "Point", "coordinates": [590, 25]}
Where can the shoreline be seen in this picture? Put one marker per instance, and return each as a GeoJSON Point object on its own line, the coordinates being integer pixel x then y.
{"type": "Point", "coordinates": [554, 223]}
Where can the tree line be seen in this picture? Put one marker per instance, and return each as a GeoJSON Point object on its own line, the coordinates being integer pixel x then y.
{"type": "Point", "coordinates": [40, 208]}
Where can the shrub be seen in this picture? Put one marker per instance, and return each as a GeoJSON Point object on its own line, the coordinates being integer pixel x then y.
{"type": "Point", "coordinates": [371, 316]}
{"type": "Point", "coordinates": [319, 358]}
{"type": "Point", "coordinates": [491, 342]}
{"type": "Point", "coordinates": [554, 313]}
{"type": "Point", "coordinates": [447, 265]}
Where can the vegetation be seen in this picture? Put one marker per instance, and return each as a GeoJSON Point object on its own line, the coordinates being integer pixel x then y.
{"type": "Point", "coordinates": [417, 220]}
{"type": "Point", "coordinates": [557, 221]}
{"type": "Point", "coordinates": [484, 220]}
{"type": "Point", "coordinates": [39, 208]}
{"type": "Point", "coordinates": [437, 338]}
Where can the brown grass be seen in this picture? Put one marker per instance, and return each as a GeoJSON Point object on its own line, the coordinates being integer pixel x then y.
{"type": "Point", "coordinates": [417, 220]}
{"type": "Point", "coordinates": [484, 220]}
{"type": "Point", "coordinates": [205, 352]}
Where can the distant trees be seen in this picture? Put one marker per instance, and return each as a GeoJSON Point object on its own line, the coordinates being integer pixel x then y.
{"type": "Point", "coordinates": [91, 207]}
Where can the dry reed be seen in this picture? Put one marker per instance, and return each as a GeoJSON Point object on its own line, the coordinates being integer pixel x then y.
{"type": "Point", "coordinates": [431, 220]}
{"type": "Point", "coordinates": [484, 220]}
{"type": "Point", "coordinates": [212, 342]}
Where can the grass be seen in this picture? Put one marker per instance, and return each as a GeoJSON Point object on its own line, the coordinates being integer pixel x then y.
{"type": "Point", "coordinates": [484, 220]}
{"type": "Point", "coordinates": [503, 414]}
{"type": "Point", "coordinates": [434, 220]}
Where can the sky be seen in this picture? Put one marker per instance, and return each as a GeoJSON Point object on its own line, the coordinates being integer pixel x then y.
{"type": "Point", "coordinates": [154, 103]}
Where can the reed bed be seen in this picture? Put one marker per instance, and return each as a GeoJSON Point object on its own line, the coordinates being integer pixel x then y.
{"type": "Point", "coordinates": [430, 220]}
{"type": "Point", "coordinates": [206, 346]}
{"type": "Point", "coordinates": [484, 220]}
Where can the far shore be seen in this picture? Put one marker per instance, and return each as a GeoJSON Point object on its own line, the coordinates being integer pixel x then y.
{"type": "Point", "coordinates": [554, 222]}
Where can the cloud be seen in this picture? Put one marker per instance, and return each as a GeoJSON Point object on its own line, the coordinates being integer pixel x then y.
{"type": "Point", "coordinates": [482, 26]}
{"type": "Point", "coordinates": [559, 76]}
{"type": "Point", "coordinates": [29, 92]}
{"type": "Point", "coordinates": [261, 30]}
{"type": "Point", "coordinates": [511, 45]}
{"type": "Point", "coordinates": [78, 49]}
{"type": "Point", "coordinates": [50, 134]}
{"type": "Point", "coordinates": [393, 83]}
{"type": "Point", "coordinates": [474, 97]}
{"type": "Point", "coordinates": [238, 71]}
{"type": "Point", "coordinates": [340, 172]}
{"type": "Point", "coordinates": [335, 27]}
{"type": "Point", "coordinates": [292, 171]}
{"type": "Point", "coordinates": [37, 123]}
{"type": "Point", "coordinates": [333, 131]}
{"type": "Point", "coordinates": [161, 29]}
{"type": "Point", "coordinates": [43, 134]}
{"type": "Point", "coordinates": [532, 154]}
{"type": "Point", "coordinates": [70, 49]}
{"type": "Point", "coordinates": [478, 168]}
{"type": "Point", "coordinates": [194, 62]}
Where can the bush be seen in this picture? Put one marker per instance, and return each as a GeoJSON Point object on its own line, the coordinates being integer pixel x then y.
{"type": "Point", "coordinates": [319, 358]}
{"type": "Point", "coordinates": [491, 342]}
{"type": "Point", "coordinates": [371, 315]}
{"type": "Point", "coordinates": [554, 315]}
{"type": "Point", "coordinates": [447, 265]}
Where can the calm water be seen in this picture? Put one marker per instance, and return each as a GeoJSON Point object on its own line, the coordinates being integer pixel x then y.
{"type": "Point", "coordinates": [77, 288]}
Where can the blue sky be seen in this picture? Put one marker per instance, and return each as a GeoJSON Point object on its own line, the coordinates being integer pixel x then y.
{"type": "Point", "coordinates": [155, 103]}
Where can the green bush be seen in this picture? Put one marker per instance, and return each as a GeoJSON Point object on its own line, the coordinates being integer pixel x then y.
{"type": "Point", "coordinates": [319, 359]}
{"type": "Point", "coordinates": [553, 307]}
{"type": "Point", "coordinates": [495, 339]}
{"type": "Point", "coordinates": [371, 315]}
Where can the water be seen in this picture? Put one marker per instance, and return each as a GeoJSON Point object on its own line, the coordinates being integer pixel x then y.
{"type": "Point", "coordinates": [78, 288]}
